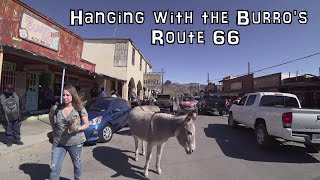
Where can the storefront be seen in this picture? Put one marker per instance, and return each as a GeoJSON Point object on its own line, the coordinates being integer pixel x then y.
{"type": "Point", "coordinates": [33, 74]}
{"type": "Point", "coordinates": [36, 52]}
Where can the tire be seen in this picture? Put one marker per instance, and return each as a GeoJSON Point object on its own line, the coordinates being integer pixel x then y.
{"type": "Point", "coordinates": [231, 122]}
{"type": "Point", "coordinates": [222, 112]}
{"type": "Point", "coordinates": [311, 148]}
{"type": "Point", "coordinates": [262, 137]}
{"type": "Point", "coordinates": [105, 135]}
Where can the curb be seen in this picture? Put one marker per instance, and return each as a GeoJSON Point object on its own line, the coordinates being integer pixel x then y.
{"type": "Point", "coordinates": [28, 141]}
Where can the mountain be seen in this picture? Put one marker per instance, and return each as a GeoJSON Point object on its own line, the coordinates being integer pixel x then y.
{"type": "Point", "coordinates": [176, 89]}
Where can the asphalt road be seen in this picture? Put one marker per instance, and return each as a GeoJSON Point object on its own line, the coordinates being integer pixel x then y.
{"type": "Point", "coordinates": [221, 153]}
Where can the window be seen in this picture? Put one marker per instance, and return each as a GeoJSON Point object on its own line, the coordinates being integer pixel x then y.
{"type": "Point", "coordinates": [7, 75]}
{"type": "Point", "coordinates": [133, 55]}
{"type": "Point", "coordinates": [251, 100]}
{"type": "Point", "coordinates": [98, 105]}
{"type": "Point", "coordinates": [279, 101]}
{"type": "Point", "coordinates": [291, 102]}
{"type": "Point", "coordinates": [243, 100]}
{"type": "Point", "coordinates": [140, 68]}
{"type": "Point", "coordinates": [267, 100]}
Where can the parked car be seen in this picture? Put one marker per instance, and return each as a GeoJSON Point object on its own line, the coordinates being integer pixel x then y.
{"type": "Point", "coordinates": [164, 102]}
{"type": "Point", "coordinates": [277, 115]}
{"type": "Point", "coordinates": [106, 116]}
{"type": "Point", "coordinates": [189, 103]}
{"type": "Point", "coordinates": [213, 103]}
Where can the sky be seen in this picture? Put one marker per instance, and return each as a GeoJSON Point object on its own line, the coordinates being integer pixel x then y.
{"type": "Point", "coordinates": [263, 45]}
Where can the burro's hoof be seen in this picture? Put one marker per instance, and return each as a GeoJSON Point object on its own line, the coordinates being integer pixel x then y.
{"type": "Point", "coordinates": [158, 171]}
{"type": "Point", "coordinates": [136, 159]}
{"type": "Point", "coordinates": [143, 154]}
{"type": "Point", "coordinates": [146, 174]}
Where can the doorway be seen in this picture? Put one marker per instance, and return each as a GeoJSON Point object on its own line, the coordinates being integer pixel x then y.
{"type": "Point", "coordinates": [44, 84]}
{"type": "Point", "coordinates": [32, 91]}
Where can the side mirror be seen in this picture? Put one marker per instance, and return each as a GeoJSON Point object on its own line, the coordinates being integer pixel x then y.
{"type": "Point", "coordinates": [115, 110]}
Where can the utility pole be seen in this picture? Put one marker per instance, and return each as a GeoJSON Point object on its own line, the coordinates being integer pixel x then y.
{"type": "Point", "coordinates": [162, 72]}
{"type": "Point", "coordinates": [248, 67]}
{"type": "Point", "coordinates": [208, 79]}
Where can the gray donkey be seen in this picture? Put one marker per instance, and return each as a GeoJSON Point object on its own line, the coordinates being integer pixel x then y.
{"type": "Point", "coordinates": [155, 109]}
{"type": "Point", "coordinates": [157, 128]}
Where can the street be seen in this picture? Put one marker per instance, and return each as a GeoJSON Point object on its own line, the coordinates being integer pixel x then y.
{"type": "Point", "coordinates": [221, 153]}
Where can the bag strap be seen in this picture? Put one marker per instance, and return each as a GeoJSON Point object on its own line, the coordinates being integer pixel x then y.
{"type": "Point", "coordinates": [58, 108]}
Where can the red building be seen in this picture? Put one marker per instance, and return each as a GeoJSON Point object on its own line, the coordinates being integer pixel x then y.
{"type": "Point", "coordinates": [34, 50]}
{"type": "Point", "coordinates": [237, 86]}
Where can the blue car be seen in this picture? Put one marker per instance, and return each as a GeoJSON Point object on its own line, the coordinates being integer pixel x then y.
{"type": "Point", "coordinates": [106, 116]}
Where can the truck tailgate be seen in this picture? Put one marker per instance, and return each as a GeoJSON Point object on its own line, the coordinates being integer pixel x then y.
{"type": "Point", "coordinates": [306, 120]}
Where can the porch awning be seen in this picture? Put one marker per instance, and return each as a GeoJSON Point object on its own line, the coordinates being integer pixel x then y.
{"type": "Point", "coordinates": [34, 56]}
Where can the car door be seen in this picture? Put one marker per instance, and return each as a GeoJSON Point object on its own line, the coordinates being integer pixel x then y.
{"type": "Point", "coordinates": [239, 113]}
{"type": "Point", "coordinates": [118, 113]}
{"type": "Point", "coordinates": [250, 113]}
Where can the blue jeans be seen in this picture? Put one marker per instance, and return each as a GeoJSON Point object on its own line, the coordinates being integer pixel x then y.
{"type": "Point", "coordinates": [58, 155]}
{"type": "Point", "coordinates": [13, 130]}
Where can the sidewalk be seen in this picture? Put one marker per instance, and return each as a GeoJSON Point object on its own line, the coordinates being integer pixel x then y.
{"type": "Point", "coordinates": [33, 130]}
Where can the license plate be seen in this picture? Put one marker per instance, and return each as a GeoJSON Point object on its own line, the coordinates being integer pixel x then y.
{"type": "Point", "coordinates": [316, 137]}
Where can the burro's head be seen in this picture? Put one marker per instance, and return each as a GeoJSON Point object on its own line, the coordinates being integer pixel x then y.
{"type": "Point", "coordinates": [186, 132]}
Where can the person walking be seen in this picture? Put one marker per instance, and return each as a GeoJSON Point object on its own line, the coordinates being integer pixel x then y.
{"type": "Point", "coordinates": [68, 121]}
{"type": "Point", "coordinates": [49, 97]}
{"type": "Point", "coordinates": [114, 94]}
{"type": "Point", "coordinates": [102, 93]}
{"type": "Point", "coordinates": [11, 108]}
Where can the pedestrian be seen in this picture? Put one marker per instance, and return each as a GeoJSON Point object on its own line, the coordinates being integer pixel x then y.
{"type": "Point", "coordinates": [94, 92]}
{"type": "Point", "coordinates": [114, 94]}
{"type": "Point", "coordinates": [102, 93]}
{"type": "Point", "coordinates": [68, 121]}
{"type": "Point", "coordinates": [49, 97]}
{"type": "Point", "coordinates": [11, 108]}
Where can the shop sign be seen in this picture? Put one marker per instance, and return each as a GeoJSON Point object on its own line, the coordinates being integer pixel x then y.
{"type": "Point", "coordinates": [236, 86]}
{"type": "Point", "coordinates": [152, 80]}
{"type": "Point", "coordinates": [37, 32]}
{"type": "Point", "coordinates": [87, 65]}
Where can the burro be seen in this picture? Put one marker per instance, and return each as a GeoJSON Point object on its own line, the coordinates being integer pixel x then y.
{"type": "Point", "coordinates": [156, 128]}
{"type": "Point", "coordinates": [160, 37]}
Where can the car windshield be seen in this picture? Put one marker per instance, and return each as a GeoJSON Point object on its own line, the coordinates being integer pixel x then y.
{"type": "Point", "coordinates": [98, 105]}
{"type": "Point", "coordinates": [188, 98]}
{"type": "Point", "coordinates": [208, 97]}
{"type": "Point", "coordinates": [163, 96]}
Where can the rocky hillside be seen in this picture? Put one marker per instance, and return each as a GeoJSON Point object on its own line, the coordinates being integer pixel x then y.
{"type": "Point", "coordinates": [176, 89]}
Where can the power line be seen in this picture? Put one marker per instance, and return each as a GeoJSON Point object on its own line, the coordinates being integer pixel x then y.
{"type": "Point", "coordinates": [299, 59]}
{"type": "Point", "coordinates": [291, 61]}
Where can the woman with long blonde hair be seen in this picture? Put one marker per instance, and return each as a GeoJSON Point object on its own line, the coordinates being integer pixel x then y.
{"type": "Point", "coordinates": [68, 121]}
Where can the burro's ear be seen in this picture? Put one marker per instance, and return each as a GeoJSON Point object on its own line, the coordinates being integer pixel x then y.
{"type": "Point", "coordinates": [191, 116]}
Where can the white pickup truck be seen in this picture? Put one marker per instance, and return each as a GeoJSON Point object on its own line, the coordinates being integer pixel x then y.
{"type": "Point", "coordinates": [277, 115]}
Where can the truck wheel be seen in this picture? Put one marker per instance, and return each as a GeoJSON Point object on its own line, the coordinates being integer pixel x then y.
{"type": "Point", "coordinates": [231, 122]}
{"type": "Point", "coordinates": [262, 137]}
{"type": "Point", "coordinates": [223, 112]}
{"type": "Point", "coordinates": [311, 148]}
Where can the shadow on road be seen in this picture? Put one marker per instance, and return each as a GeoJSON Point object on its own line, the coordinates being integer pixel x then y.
{"type": "Point", "coordinates": [118, 161]}
{"type": "Point", "coordinates": [240, 143]}
{"type": "Point", "coordinates": [37, 171]}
